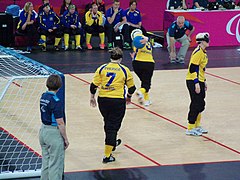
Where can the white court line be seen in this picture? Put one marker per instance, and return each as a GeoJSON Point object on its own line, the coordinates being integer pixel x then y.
{"type": "Point", "coordinates": [6, 56]}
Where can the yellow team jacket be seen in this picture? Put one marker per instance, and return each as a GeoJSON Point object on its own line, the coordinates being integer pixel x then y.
{"type": "Point", "coordinates": [90, 20]}
{"type": "Point", "coordinates": [111, 79]}
{"type": "Point", "coordinates": [200, 59]}
{"type": "Point", "coordinates": [144, 54]}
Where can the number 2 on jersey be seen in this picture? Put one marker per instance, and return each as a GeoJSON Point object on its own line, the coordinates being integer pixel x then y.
{"type": "Point", "coordinates": [112, 75]}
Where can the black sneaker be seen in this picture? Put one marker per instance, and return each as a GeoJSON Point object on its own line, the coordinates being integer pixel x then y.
{"type": "Point", "coordinates": [56, 48]}
{"type": "Point", "coordinates": [118, 142]}
{"type": "Point", "coordinates": [108, 159]}
{"type": "Point", "coordinates": [44, 49]}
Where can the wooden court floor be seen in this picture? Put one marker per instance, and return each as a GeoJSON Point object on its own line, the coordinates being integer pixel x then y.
{"type": "Point", "coordinates": [155, 135]}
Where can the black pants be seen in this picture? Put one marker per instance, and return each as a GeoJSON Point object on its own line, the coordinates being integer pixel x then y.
{"type": "Point", "coordinates": [113, 111]}
{"type": "Point", "coordinates": [197, 104]}
{"type": "Point", "coordinates": [55, 33]}
{"type": "Point", "coordinates": [144, 71]}
{"type": "Point", "coordinates": [111, 33]}
{"type": "Point", "coordinates": [70, 31]}
{"type": "Point", "coordinates": [94, 29]}
{"type": "Point", "coordinates": [30, 32]}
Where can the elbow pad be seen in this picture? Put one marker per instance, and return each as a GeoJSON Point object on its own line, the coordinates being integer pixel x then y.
{"type": "Point", "coordinates": [93, 88]}
{"type": "Point", "coordinates": [131, 90]}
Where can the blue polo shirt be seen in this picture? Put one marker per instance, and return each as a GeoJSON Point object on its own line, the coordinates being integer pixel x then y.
{"type": "Point", "coordinates": [175, 31]}
{"type": "Point", "coordinates": [51, 108]}
{"type": "Point", "coordinates": [133, 17]}
{"type": "Point", "coordinates": [175, 3]}
{"type": "Point", "coordinates": [118, 17]}
{"type": "Point", "coordinates": [202, 3]}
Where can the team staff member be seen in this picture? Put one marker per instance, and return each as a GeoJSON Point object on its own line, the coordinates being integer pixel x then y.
{"type": "Point", "coordinates": [49, 24]}
{"type": "Point", "coordinates": [177, 4]}
{"type": "Point", "coordinates": [111, 79]}
{"type": "Point", "coordinates": [196, 84]}
{"type": "Point", "coordinates": [116, 22]}
{"type": "Point", "coordinates": [200, 4]}
{"type": "Point", "coordinates": [52, 136]}
{"type": "Point", "coordinates": [94, 23]}
{"type": "Point", "coordinates": [134, 18]}
{"type": "Point", "coordinates": [177, 32]}
{"type": "Point", "coordinates": [143, 65]}
{"type": "Point", "coordinates": [26, 24]}
{"type": "Point", "coordinates": [40, 8]}
{"type": "Point", "coordinates": [72, 26]}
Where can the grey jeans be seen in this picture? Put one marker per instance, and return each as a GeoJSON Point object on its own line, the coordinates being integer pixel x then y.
{"type": "Point", "coordinates": [183, 49]}
{"type": "Point", "coordinates": [52, 145]}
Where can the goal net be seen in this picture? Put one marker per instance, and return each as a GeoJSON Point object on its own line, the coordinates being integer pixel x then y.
{"type": "Point", "coordinates": [22, 81]}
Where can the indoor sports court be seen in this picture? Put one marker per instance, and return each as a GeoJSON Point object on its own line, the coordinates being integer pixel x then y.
{"type": "Point", "coordinates": [154, 144]}
{"type": "Point", "coordinates": [154, 141]}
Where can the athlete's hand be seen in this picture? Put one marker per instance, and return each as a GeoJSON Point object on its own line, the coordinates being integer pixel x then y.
{"type": "Point", "coordinates": [128, 100]}
{"type": "Point", "coordinates": [132, 55]}
{"type": "Point", "coordinates": [144, 40]}
{"type": "Point", "coordinates": [197, 88]}
{"type": "Point", "coordinates": [205, 86]}
{"type": "Point", "coordinates": [93, 102]}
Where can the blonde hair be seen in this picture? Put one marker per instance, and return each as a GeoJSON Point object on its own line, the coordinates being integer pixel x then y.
{"type": "Point", "coordinates": [116, 54]}
{"type": "Point", "coordinates": [26, 6]}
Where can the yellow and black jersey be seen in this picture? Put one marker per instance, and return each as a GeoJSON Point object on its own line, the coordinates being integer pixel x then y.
{"type": "Point", "coordinates": [97, 20]}
{"type": "Point", "coordinates": [197, 65]}
{"type": "Point", "coordinates": [144, 54]}
{"type": "Point", "coordinates": [111, 79]}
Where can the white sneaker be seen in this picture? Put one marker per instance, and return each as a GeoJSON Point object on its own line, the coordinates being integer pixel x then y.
{"type": "Point", "coordinates": [193, 132]}
{"type": "Point", "coordinates": [79, 47]}
{"type": "Point", "coordinates": [147, 103]}
{"type": "Point", "coordinates": [65, 48]}
{"type": "Point", "coordinates": [140, 97]}
{"type": "Point", "coordinates": [200, 129]}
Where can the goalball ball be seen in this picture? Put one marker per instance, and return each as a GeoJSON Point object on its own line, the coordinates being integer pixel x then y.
{"type": "Point", "coordinates": [137, 43]}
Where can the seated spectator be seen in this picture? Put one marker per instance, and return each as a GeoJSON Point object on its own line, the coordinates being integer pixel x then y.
{"type": "Point", "coordinates": [177, 32]}
{"type": "Point", "coordinates": [134, 18]}
{"type": "Point", "coordinates": [65, 6]}
{"type": "Point", "coordinates": [72, 26]}
{"type": "Point", "coordinates": [99, 3]}
{"type": "Point", "coordinates": [116, 22]}
{"type": "Point", "coordinates": [94, 24]}
{"type": "Point", "coordinates": [225, 3]}
{"type": "Point", "coordinates": [200, 4]}
{"type": "Point", "coordinates": [49, 24]}
{"type": "Point", "coordinates": [177, 4]}
{"type": "Point", "coordinates": [26, 24]}
{"type": "Point", "coordinates": [40, 8]}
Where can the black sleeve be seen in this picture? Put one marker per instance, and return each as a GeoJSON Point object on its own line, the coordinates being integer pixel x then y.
{"type": "Point", "coordinates": [93, 88]}
{"type": "Point", "coordinates": [193, 68]}
{"type": "Point", "coordinates": [131, 90]}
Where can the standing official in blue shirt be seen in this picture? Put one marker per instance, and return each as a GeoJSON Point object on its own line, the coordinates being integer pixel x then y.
{"type": "Point", "coordinates": [177, 33]}
{"type": "Point", "coordinates": [52, 136]}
